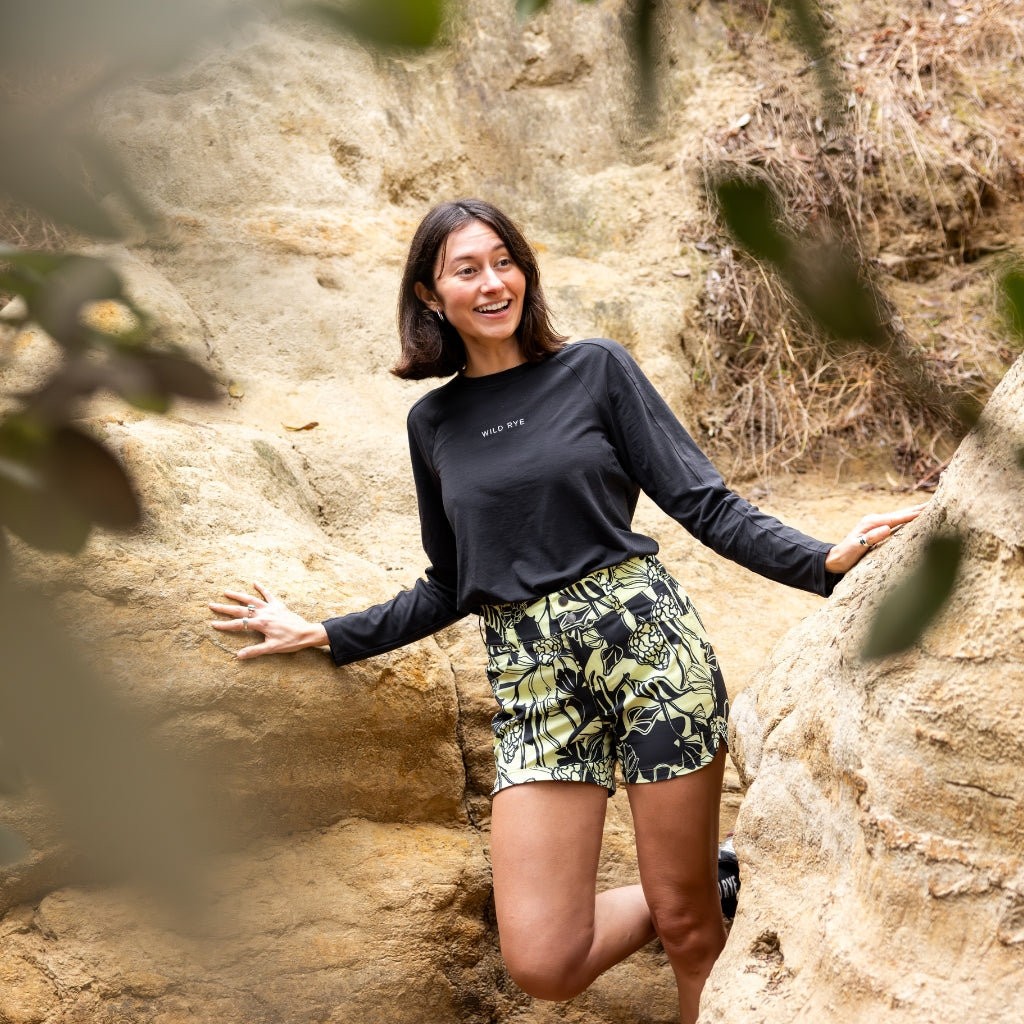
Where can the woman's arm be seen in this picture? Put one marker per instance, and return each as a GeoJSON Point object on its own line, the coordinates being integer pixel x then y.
{"type": "Point", "coordinates": [666, 462]}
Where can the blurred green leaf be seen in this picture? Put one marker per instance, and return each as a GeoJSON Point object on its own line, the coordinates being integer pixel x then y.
{"type": "Point", "coordinates": [749, 211]}
{"type": "Point", "coordinates": [829, 284]}
{"type": "Point", "coordinates": [108, 177]}
{"type": "Point", "coordinates": [401, 24]}
{"type": "Point", "coordinates": [12, 777]}
{"type": "Point", "coordinates": [809, 29]}
{"type": "Point", "coordinates": [92, 480]}
{"type": "Point", "coordinates": [17, 473]}
{"type": "Point", "coordinates": [909, 608]}
{"type": "Point", "coordinates": [56, 287]}
{"type": "Point", "coordinates": [33, 509]}
{"type": "Point", "coordinates": [824, 279]}
{"type": "Point", "coordinates": [526, 8]}
{"type": "Point", "coordinates": [68, 483]}
{"type": "Point", "coordinates": [643, 47]}
{"type": "Point", "coordinates": [58, 306]}
{"type": "Point", "coordinates": [1011, 285]}
{"type": "Point", "coordinates": [12, 847]}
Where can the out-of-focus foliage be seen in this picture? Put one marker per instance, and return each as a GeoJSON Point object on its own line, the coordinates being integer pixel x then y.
{"type": "Point", "coordinates": [822, 276]}
{"type": "Point", "coordinates": [641, 34]}
{"type": "Point", "coordinates": [1011, 289]}
{"type": "Point", "coordinates": [400, 24]}
{"type": "Point", "coordinates": [1011, 286]}
{"type": "Point", "coordinates": [129, 806]}
{"type": "Point", "coordinates": [56, 481]}
{"type": "Point", "coordinates": [911, 606]}
{"type": "Point", "coordinates": [809, 30]}
{"type": "Point", "coordinates": [525, 8]}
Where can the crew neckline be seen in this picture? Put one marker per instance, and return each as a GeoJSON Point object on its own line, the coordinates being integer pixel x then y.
{"type": "Point", "coordinates": [494, 379]}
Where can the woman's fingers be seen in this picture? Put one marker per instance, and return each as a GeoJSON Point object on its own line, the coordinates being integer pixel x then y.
{"type": "Point", "coordinates": [242, 614]}
{"type": "Point", "coordinates": [230, 609]}
{"type": "Point", "coordinates": [890, 519]}
{"type": "Point", "coordinates": [255, 650]}
{"type": "Point", "coordinates": [868, 533]}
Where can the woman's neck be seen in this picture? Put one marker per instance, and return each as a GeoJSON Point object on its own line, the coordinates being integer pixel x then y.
{"type": "Point", "coordinates": [481, 362]}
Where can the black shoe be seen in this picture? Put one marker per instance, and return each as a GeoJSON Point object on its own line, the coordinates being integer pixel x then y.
{"type": "Point", "coordinates": [728, 878]}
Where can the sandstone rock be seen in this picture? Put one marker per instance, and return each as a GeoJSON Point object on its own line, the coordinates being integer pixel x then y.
{"type": "Point", "coordinates": [880, 840]}
{"type": "Point", "coordinates": [333, 924]}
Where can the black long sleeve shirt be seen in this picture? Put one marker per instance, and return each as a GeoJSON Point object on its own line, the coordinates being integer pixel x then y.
{"type": "Point", "coordinates": [528, 479]}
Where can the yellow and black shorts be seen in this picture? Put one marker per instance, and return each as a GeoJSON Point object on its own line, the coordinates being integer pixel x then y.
{"type": "Point", "coordinates": [614, 668]}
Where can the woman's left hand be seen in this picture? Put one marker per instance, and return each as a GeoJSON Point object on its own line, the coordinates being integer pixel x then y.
{"type": "Point", "coordinates": [871, 530]}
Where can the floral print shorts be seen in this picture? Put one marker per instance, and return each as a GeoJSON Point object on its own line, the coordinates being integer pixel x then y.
{"type": "Point", "coordinates": [614, 668]}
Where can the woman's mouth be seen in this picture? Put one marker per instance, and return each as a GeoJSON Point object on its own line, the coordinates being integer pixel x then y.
{"type": "Point", "coordinates": [494, 307]}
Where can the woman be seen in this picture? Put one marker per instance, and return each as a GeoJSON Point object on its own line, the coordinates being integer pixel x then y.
{"type": "Point", "coordinates": [528, 465]}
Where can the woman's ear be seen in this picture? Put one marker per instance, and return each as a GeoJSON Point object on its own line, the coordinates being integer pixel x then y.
{"type": "Point", "coordinates": [427, 297]}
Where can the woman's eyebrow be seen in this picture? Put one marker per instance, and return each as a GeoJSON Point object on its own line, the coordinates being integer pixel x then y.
{"type": "Point", "coordinates": [472, 255]}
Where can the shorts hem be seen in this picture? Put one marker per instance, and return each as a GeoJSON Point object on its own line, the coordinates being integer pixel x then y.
{"type": "Point", "coordinates": [719, 739]}
{"type": "Point", "coordinates": [526, 775]}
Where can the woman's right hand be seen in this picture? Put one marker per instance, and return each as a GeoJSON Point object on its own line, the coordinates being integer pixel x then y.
{"type": "Point", "coordinates": [283, 630]}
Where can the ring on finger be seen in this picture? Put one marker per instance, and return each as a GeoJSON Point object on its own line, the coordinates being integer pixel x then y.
{"type": "Point", "coordinates": [245, 623]}
{"type": "Point", "coordinates": [863, 540]}
{"type": "Point", "coordinates": [251, 608]}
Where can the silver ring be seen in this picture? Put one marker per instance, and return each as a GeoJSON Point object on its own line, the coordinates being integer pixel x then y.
{"type": "Point", "coordinates": [251, 607]}
{"type": "Point", "coordinates": [245, 622]}
{"type": "Point", "coordinates": [863, 540]}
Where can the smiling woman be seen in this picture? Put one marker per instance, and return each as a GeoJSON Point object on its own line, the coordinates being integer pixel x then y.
{"type": "Point", "coordinates": [528, 465]}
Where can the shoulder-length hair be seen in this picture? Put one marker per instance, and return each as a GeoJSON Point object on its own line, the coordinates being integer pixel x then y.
{"type": "Point", "coordinates": [431, 347]}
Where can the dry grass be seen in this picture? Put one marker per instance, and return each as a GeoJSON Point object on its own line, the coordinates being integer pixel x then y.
{"type": "Point", "coordinates": [28, 229]}
{"type": "Point", "coordinates": [921, 173]}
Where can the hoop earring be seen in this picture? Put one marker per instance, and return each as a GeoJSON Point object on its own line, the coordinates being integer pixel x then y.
{"type": "Point", "coordinates": [440, 315]}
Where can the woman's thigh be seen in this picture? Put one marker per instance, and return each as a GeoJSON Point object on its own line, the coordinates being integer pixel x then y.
{"type": "Point", "coordinates": [545, 846]}
{"type": "Point", "coordinates": [676, 824]}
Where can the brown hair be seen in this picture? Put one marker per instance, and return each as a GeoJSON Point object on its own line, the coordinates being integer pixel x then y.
{"type": "Point", "coordinates": [431, 347]}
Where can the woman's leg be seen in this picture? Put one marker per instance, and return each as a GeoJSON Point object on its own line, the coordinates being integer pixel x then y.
{"type": "Point", "coordinates": [556, 937]}
{"type": "Point", "coordinates": [676, 825]}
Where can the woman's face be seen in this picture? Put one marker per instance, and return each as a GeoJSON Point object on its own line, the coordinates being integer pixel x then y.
{"type": "Point", "coordinates": [478, 287]}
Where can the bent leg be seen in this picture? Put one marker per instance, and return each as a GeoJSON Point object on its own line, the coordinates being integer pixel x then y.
{"type": "Point", "coordinates": [556, 936]}
{"type": "Point", "coordinates": [676, 824]}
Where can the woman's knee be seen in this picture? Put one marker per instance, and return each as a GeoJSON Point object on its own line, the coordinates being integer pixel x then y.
{"type": "Point", "coordinates": [545, 974]}
{"type": "Point", "coordinates": [690, 933]}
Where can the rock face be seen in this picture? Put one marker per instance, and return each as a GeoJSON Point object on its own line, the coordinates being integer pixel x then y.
{"type": "Point", "coordinates": [881, 837]}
